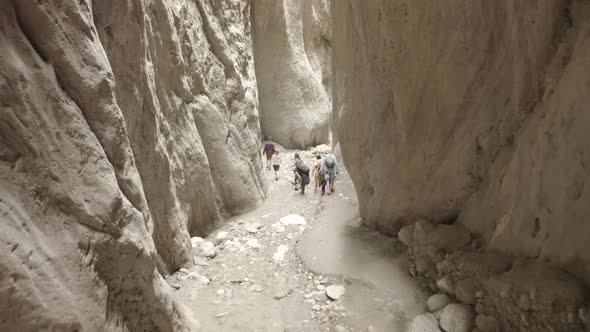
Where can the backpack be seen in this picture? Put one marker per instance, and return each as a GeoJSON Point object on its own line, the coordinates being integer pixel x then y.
{"type": "Point", "coordinates": [303, 168]}
{"type": "Point", "coordinates": [330, 163]}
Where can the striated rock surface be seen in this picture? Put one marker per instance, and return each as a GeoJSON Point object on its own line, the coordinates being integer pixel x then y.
{"type": "Point", "coordinates": [471, 111]}
{"type": "Point", "coordinates": [122, 126]}
{"type": "Point", "coordinates": [292, 52]}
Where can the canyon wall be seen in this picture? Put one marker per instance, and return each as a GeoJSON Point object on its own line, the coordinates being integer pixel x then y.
{"type": "Point", "coordinates": [125, 126]}
{"type": "Point", "coordinates": [292, 55]}
{"type": "Point", "coordinates": [469, 112]}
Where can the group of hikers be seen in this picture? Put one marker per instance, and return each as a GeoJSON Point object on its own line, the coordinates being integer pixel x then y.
{"type": "Point", "coordinates": [324, 171]}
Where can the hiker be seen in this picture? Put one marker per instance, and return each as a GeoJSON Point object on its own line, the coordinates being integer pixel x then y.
{"type": "Point", "coordinates": [329, 170]}
{"type": "Point", "coordinates": [268, 150]}
{"type": "Point", "coordinates": [301, 172]}
{"type": "Point", "coordinates": [276, 164]}
{"type": "Point", "coordinates": [316, 173]}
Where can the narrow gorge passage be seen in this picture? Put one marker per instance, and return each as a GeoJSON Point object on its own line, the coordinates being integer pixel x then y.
{"type": "Point", "coordinates": [246, 287]}
{"type": "Point", "coordinates": [133, 196]}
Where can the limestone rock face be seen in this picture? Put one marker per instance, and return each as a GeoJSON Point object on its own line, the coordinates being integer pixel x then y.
{"type": "Point", "coordinates": [122, 126]}
{"type": "Point", "coordinates": [292, 55]}
{"type": "Point", "coordinates": [471, 112]}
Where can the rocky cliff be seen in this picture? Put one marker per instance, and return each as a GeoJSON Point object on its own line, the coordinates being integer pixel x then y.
{"type": "Point", "coordinates": [472, 112]}
{"type": "Point", "coordinates": [292, 54]}
{"type": "Point", "coordinates": [125, 126]}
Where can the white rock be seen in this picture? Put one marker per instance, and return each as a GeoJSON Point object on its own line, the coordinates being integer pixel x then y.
{"type": "Point", "coordinates": [221, 236]}
{"type": "Point", "coordinates": [425, 323]}
{"type": "Point", "coordinates": [199, 278]}
{"type": "Point", "coordinates": [279, 256]}
{"type": "Point", "coordinates": [195, 241]}
{"type": "Point", "coordinates": [183, 270]}
{"type": "Point", "coordinates": [321, 287]}
{"type": "Point", "coordinates": [293, 219]}
{"type": "Point", "coordinates": [437, 301]}
{"type": "Point", "coordinates": [207, 249]}
{"type": "Point", "coordinates": [340, 328]}
{"type": "Point", "coordinates": [316, 307]}
{"type": "Point", "coordinates": [253, 243]}
{"type": "Point", "coordinates": [256, 288]}
{"type": "Point", "coordinates": [252, 229]}
{"type": "Point", "coordinates": [278, 227]}
{"type": "Point", "coordinates": [335, 292]}
{"type": "Point", "coordinates": [457, 318]}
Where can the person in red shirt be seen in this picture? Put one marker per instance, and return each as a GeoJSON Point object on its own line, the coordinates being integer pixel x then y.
{"type": "Point", "coordinates": [268, 150]}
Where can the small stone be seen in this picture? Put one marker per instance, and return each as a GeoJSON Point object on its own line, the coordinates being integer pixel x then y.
{"type": "Point", "coordinates": [199, 278]}
{"type": "Point", "coordinates": [175, 286]}
{"type": "Point", "coordinates": [253, 243]}
{"type": "Point", "coordinates": [222, 314]}
{"type": "Point", "coordinates": [251, 229]}
{"type": "Point", "coordinates": [370, 328]}
{"type": "Point", "coordinates": [293, 219]}
{"type": "Point", "coordinates": [335, 292]}
{"type": "Point", "coordinates": [282, 294]}
{"type": "Point", "coordinates": [339, 328]}
{"type": "Point", "coordinates": [437, 301]}
{"type": "Point", "coordinates": [321, 287]}
{"type": "Point", "coordinates": [220, 237]}
{"type": "Point", "coordinates": [256, 288]}
{"type": "Point", "coordinates": [457, 318]}
{"type": "Point", "coordinates": [279, 256]}
{"type": "Point", "coordinates": [316, 307]}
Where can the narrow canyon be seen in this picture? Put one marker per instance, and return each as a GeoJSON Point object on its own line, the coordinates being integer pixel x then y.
{"type": "Point", "coordinates": [135, 195]}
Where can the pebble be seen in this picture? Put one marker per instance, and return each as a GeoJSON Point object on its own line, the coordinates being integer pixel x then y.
{"type": "Point", "coordinates": [339, 328]}
{"type": "Point", "coordinates": [256, 288]}
{"type": "Point", "coordinates": [335, 292]}
{"type": "Point", "coordinates": [279, 256]}
{"type": "Point", "coordinates": [321, 287]}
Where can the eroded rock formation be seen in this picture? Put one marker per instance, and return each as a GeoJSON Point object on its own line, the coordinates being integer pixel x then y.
{"type": "Point", "coordinates": [124, 126]}
{"type": "Point", "coordinates": [469, 111]}
{"type": "Point", "coordinates": [292, 53]}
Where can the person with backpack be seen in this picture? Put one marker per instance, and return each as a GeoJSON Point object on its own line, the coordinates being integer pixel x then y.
{"type": "Point", "coordinates": [329, 170]}
{"type": "Point", "coordinates": [301, 172]}
{"type": "Point", "coordinates": [268, 150]}
{"type": "Point", "coordinates": [316, 173]}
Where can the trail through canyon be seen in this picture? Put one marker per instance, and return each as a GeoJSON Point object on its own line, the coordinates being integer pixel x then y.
{"type": "Point", "coordinates": [264, 272]}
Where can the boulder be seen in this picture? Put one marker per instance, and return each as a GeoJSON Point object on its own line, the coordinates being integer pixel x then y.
{"type": "Point", "coordinates": [457, 318]}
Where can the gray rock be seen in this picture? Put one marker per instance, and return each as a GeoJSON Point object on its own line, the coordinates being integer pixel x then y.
{"type": "Point", "coordinates": [335, 292]}
{"type": "Point", "coordinates": [424, 323]}
{"type": "Point", "coordinates": [207, 249]}
{"type": "Point", "coordinates": [437, 301]}
{"type": "Point", "coordinates": [457, 318]}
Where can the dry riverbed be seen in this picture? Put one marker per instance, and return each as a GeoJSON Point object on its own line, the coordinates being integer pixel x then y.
{"type": "Point", "coordinates": [299, 263]}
